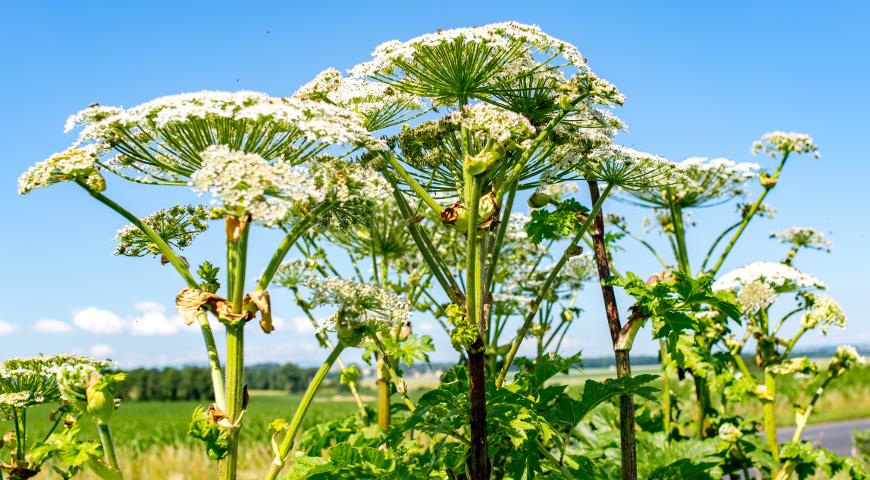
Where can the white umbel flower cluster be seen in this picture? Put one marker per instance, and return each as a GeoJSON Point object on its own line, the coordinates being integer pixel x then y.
{"type": "Point", "coordinates": [489, 123]}
{"type": "Point", "coordinates": [782, 277]}
{"type": "Point", "coordinates": [631, 169]}
{"type": "Point", "coordinates": [756, 296]}
{"type": "Point", "coordinates": [783, 143]}
{"type": "Point", "coordinates": [362, 96]}
{"type": "Point", "coordinates": [824, 313]}
{"type": "Point", "coordinates": [315, 121]}
{"type": "Point", "coordinates": [90, 115]}
{"type": "Point", "coordinates": [25, 382]}
{"type": "Point", "coordinates": [717, 178]}
{"type": "Point", "coordinates": [846, 358]}
{"type": "Point", "coordinates": [804, 237]}
{"type": "Point", "coordinates": [367, 303]}
{"type": "Point", "coordinates": [712, 182]}
{"type": "Point", "coordinates": [503, 36]}
{"type": "Point", "coordinates": [73, 163]}
{"type": "Point", "coordinates": [246, 182]}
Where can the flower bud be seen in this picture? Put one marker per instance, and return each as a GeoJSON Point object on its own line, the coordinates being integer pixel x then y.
{"type": "Point", "coordinates": [482, 162]}
{"type": "Point", "coordinates": [767, 181]}
{"type": "Point", "coordinates": [100, 401]}
{"type": "Point", "coordinates": [539, 200]}
{"type": "Point", "coordinates": [729, 433]}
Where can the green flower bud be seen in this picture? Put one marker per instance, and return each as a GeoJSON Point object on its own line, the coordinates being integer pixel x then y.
{"type": "Point", "coordinates": [539, 200]}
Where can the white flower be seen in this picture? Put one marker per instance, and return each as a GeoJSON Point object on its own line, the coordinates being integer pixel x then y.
{"type": "Point", "coordinates": [712, 182]}
{"type": "Point", "coordinates": [492, 123]}
{"type": "Point", "coordinates": [71, 164]}
{"type": "Point", "coordinates": [379, 104]}
{"type": "Point", "coordinates": [845, 358]}
{"type": "Point", "coordinates": [92, 114]}
{"type": "Point", "coordinates": [631, 169]}
{"type": "Point", "coordinates": [756, 296]}
{"type": "Point", "coordinates": [775, 274]}
{"type": "Point", "coordinates": [365, 302]}
{"type": "Point", "coordinates": [25, 382]}
{"type": "Point", "coordinates": [160, 141]}
{"type": "Point", "coordinates": [502, 36]}
{"type": "Point", "coordinates": [242, 181]}
{"type": "Point", "coordinates": [729, 433]}
{"type": "Point", "coordinates": [803, 237]}
{"type": "Point", "coordinates": [825, 312]}
{"type": "Point", "coordinates": [783, 143]}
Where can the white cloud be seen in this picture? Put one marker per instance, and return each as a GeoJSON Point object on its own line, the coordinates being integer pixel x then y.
{"type": "Point", "coordinates": [424, 326]}
{"type": "Point", "coordinates": [48, 325]}
{"type": "Point", "coordinates": [98, 321]}
{"type": "Point", "coordinates": [7, 328]}
{"type": "Point", "coordinates": [302, 325]}
{"type": "Point", "coordinates": [100, 350]}
{"type": "Point", "coordinates": [153, 321]}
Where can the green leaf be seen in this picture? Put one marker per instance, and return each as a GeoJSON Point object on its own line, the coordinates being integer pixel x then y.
{"type": "Point", "coordinates": [595, 393]}
{"type": "Point", "coordinates": [562, 222]}
{"type": "Point", "coordinates": [683, 469]}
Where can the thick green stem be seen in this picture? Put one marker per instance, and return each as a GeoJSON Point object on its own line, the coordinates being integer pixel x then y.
{"type": "Point", "coordinates": [383, 384]}
{"type": "Point", "coordinates": [530, 316]}
{"type": "Point", "coordinates": [111, 456]}
{"type": "Point", "coordinates": [478, 461]}
{"type": "Point", "coordinates": [702, 399]}
{"type": "Point", "coordinates": [680, 235]}
{"type": "Point", "coordinates": [237, 241]}
{"type": "Point", "coordinates": [666, 388]}
{"type": "Point", "coordinates": [235, 392]}
{"type": "Point", "coordinates": [20, 438]}
{"type": "Point", "coordinates": [299, 415]}
{"type": "Point", "coordinates": [768, 410]}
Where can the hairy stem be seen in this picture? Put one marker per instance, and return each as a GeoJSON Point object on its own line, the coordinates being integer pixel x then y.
{"type": "Point", "coordinates": [628, 445]}
{"type": "Point", "coordinates": [769, 419]}
{"type": "Point", "coordinates": [237, 242]}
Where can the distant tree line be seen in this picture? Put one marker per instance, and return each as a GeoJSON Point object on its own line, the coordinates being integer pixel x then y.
{"type": "Point", "coordinates": [194, 383]}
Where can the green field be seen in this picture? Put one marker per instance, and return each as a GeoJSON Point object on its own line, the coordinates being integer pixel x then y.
{"type": "Point", "coordinates": [153, 435]}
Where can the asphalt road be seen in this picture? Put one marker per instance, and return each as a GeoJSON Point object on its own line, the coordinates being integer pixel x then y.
{"type": "Point", "coordinates": [835, 436]}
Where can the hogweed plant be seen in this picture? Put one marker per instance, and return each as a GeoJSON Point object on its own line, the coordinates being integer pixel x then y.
{"type": "Point", "coordinates": [413, 165]}
{"type": "Point", "coordinates": [82, 389]}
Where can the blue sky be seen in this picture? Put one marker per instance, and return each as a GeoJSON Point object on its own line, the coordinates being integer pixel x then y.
{"type": "Point", "coordinates": [701, 79]}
